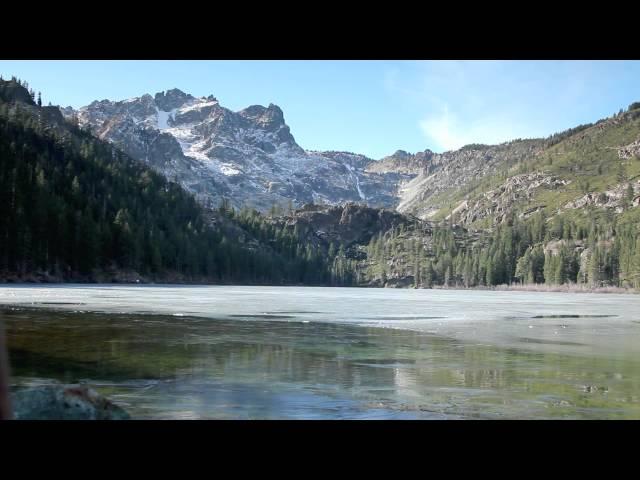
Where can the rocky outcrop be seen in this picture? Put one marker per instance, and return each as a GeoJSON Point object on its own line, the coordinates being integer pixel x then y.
{"type": "Point", "coordinates": [553, 247]}
{"type": "Point", "coordinates": [343, 225]}
{"type": "Point", "coordinates": [402, 162]}
{"type": "Point", "coordinates": [459, 170]}
{"type": "Point", "coordinates": [616, 198]}
{"type": "Point", "coordinates": [64, 402]}
{"type": "Point", "coordinates": [499, 202]}
{"type": "Point", "coordinates": [400, 282]}
{"type": "Point", "coordinates": [12, 91]}
{"type": "Point", "coordinates": [630, 151]}
{"type": "Point", "coordinates": [174, 98]}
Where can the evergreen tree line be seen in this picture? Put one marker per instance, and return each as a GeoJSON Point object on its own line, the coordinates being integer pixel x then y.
{"type": "Point", "coordinates": [605, 252]}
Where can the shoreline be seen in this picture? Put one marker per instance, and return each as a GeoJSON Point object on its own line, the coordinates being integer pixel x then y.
{"type": "Point", "coordinates": [540, 288]}
{"type": "Point", "coordinates": [566, 288]}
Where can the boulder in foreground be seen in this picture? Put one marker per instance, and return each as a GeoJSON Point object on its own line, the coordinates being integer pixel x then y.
{"type": "Point", "coordinates": [64, 402]}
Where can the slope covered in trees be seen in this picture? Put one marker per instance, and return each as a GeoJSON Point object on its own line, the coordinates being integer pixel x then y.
{"type": "Point", "coordinates": [566, 212]}
{"type": "Point", "coordinates": [370, 247]}
{"type": "Point", "coordinates": [538, 250]}
{"type": "Point", "coordinates": [75, 208]}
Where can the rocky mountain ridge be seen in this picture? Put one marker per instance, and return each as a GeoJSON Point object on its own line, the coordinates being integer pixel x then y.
{"type": "Point", "coordinates": [249, 157]}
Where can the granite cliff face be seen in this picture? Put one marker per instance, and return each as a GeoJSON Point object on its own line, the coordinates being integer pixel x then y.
{"type": "Point", "coordinates": [249, 157]}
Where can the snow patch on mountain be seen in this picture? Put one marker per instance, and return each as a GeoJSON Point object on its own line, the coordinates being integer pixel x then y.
{"type": "Point", "coordinates": [229, 170]}
{"type": "Point", "coordinates": [198, 106]}
{"type": "Point", "coordinates": [248, 157]}
{"type": "Point", "coordinates": [163, 118]}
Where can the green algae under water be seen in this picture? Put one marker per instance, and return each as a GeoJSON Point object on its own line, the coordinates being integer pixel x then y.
{"type": "Point", "coordinates": [160, 366]}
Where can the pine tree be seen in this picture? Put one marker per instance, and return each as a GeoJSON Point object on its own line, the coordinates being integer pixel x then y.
{"type": "Point", "coordinates": [447, 276]}
{"type": "Point", "coordinates": [524, 268]}
{"type": "Point", "coordinates": [428, 275]}
{"type": "Point", "coordinates": [629, 195]}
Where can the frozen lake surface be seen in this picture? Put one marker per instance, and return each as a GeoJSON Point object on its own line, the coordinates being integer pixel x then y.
{"type": "Point", "coordinates": [289, 352]}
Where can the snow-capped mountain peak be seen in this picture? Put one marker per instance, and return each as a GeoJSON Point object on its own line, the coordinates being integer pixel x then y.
{"type": "Point", "coordinates": [249, 156]}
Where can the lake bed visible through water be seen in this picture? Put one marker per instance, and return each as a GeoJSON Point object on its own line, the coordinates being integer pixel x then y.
{"type": "Point", "coordinates": [236, 352]}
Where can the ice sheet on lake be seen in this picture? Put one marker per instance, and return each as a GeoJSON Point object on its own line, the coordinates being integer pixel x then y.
{"type": "Point", "coordinates": [541, 321]}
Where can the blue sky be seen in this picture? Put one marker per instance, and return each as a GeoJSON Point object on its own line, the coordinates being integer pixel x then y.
{"type": "Point", "coordinates": [369, 107]}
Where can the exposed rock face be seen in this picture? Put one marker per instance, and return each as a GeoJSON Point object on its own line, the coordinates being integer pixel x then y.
{"type": "Point", "coordinates": [52, 115]}
{"type": "Point", "coordinates": [400, 282]}
{"type": "Point", "coordinates": [13, 92]}
{"type": "Point", "coordinates": [459, 170]}
{"type": "Point", "coordinates": [630, 151]}
{"type": "Point", "coordinates": [553, 247]}
{"type": "Point", "coordinates": [174, 98]}
{"type": "Point", "coordinates": [497, 203]}
{"type": "Point", "coordinates": [64, 402]}
{"type": "Point", "coordinates": [347, 224]}
{"type": "Point", "coordinates": [249, 157]}
{"type": "Point", "coordinates": [402, 162]}
{"type": "Point", "coordinates": [615, 198]}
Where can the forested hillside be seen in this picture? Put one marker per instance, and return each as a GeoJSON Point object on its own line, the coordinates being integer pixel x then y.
{"type": "Point", "coordinates": [604, 251]}
{"type": "Point", "coordinates": [73, 207]}
{"type": "Point", "coordinates": [554, 211]}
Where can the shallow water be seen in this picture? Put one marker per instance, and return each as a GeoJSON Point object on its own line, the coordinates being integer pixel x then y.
{"type": "Point", "coordinates": [287, 352]}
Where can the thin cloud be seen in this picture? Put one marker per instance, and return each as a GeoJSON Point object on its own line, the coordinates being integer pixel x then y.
{"type": "Point", "coordinates": [446, 132]}
{"type": "Point", "coordinates": [456, 103]}
{"type": "Point", "coordinates": [443, 131]}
